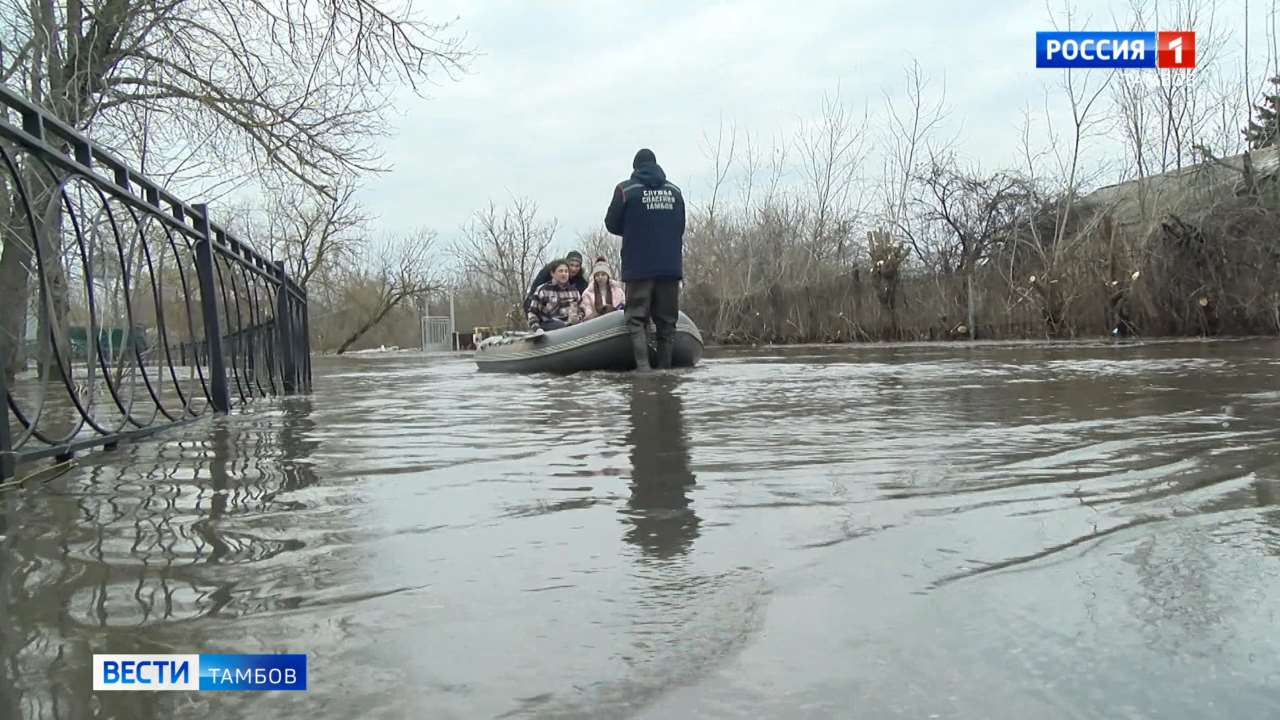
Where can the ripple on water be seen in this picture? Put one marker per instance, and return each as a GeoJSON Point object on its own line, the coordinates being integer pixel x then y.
{"type": "Point", "coordinates": [976, 530]}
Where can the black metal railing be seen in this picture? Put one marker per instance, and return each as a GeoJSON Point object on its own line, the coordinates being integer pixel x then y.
{"type": "Point", "coordinates": [124, 310]}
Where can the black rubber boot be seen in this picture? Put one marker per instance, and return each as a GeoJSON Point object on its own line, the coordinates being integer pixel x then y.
{"type": "Point", "coordinates": [665, 348]}
{"type": "Point", "coordinates": [640, 348]}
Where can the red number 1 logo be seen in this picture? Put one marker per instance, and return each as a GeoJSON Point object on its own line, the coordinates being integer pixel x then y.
{"type": "Point", "coordinates": [1176, 50]}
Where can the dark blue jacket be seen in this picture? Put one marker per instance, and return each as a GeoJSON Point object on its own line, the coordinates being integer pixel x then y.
{"type": "Point", "coordinates": [648, 212]}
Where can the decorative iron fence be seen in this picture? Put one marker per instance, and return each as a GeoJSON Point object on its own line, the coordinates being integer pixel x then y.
{"type": "Point", "coordinates": [124, 310]}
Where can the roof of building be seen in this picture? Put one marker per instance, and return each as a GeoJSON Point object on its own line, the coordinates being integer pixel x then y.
{"type": "Point", "coordinates": [1135, 200]}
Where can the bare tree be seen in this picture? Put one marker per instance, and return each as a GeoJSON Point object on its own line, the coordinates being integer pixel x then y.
{"type": "Point", "coordinates": [1056, 194]}
{"type": "Point", "coordinates": [831, 151]}
{"type": "Point", "coordinates": [908, 132]}
{"type": "Point", "coordinates": [979, 211]}
{"type": "Point", "coordinates": [397, 270]}
{"type": "Point", "coordinates": [1166, 114]}
{"type": "Point", "coordinates": [315, 232]}
{"type": "Point", "coordinates": [599, 243]}
{"type": "Point", "coordinates": [907, 139]}
{"type": "Point", "coordinates": [297, 88]}
{"type": "Point", "coordinates": [887, 255]}
{"type": "Point", "coordinates": [302, 87]}
{"type": "Point", "coordinates": [723, 160]}
{"type": "Point", "coordinates": [502, 249]}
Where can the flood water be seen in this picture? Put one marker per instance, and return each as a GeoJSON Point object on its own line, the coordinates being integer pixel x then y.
{"type": "Point", "coordinates": [937, 531]}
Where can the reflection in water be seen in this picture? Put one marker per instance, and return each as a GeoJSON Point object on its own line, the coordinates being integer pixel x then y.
{"type": "Point", "coordinates": [10, 643]}
{"type": "Point", "coordinates": [960, 531]}
{"type": "Point", "coordinates": [663, 525]}
{"type": "Point", "coordinates": [299, 442]}
{"type": "Point", "coordinates": [121, 556]}
{"type": "Point", "coordinates": [679, 619]}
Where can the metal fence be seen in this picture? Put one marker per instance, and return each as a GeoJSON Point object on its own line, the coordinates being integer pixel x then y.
{"type": "Point", "coordinates": [124, 310]}
{"type": "Point", "coordinates": [437, 334]}
{"type": "Point", "coordinates": [438, 331]}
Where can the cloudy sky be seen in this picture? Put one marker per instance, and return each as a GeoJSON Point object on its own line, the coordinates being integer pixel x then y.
{"type": "Point", "coordinates": [562, 94]}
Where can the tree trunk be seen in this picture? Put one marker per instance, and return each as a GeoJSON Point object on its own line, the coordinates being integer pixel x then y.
{"type": "Point", "coordinates": [968, 279]}
{"type": "Point", "coordinates": [15, 263]}
{"type": "Point", "coordinates": [19, 279]}
{"type": "Point", "coordinates": [368, 325]}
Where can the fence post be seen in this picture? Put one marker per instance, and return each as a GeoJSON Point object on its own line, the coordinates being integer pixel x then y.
{"type": "Point", "coordinates": [305, 339]}
{"type": "Point", "coordinates": [453, 327]}
{"type": "Point", "coordinates": [7, 460]}
{"type": "Point", "coordinates": [285, 332]}
{"type": "Point", "coordinates": [219, 395]}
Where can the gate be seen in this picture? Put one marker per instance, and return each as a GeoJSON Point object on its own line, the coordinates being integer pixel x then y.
{"type": "Point", "coordinates": [437, 334]}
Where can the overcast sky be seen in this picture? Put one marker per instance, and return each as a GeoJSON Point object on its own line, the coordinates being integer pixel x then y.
{"type": "Point", "coordinates": [563, 94]}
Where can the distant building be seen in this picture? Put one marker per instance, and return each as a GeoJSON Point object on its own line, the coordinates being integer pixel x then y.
{"type": "Point", "coordinates": [1136, 201]}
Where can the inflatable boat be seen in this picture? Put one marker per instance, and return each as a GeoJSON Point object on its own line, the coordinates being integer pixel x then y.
{"type": "Point", "coordinates": [601, 343]}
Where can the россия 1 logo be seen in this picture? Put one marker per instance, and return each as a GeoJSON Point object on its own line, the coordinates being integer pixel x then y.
{"type": "Point", "coordinates": [1091, 49]}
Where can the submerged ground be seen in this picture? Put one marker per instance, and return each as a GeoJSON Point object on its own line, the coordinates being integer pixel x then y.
{"type": "Point", "coordinates": [952, 531]}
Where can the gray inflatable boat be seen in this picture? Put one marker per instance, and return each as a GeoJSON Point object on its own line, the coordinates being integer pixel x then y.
{"type": "Point", "coordinates": [598, 344]}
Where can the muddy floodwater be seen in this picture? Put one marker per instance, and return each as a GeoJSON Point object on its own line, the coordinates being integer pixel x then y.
{"type": "Point", "coordinates": [928, 531]}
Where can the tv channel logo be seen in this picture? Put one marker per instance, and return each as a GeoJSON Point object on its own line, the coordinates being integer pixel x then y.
{"type": "Point", "coordinates": [1120, 50]}
{"type": "Point", "coordinates": [200, 672]}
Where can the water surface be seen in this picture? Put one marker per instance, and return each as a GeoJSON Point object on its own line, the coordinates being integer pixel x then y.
{"type": "Point", "coordinates": [951, 531]}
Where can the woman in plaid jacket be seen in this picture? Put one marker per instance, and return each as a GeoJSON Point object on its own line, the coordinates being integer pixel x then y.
{"type": "Point", "coordinates": [556, 303]}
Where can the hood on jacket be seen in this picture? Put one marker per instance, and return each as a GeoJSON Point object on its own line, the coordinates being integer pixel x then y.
{"type": "Point", "coordinates": [649, 174]}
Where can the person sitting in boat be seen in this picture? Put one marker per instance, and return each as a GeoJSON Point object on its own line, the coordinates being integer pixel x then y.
{"type": "Point", "coordinates": [556, 303]}
{"type": "Point", "coordinates": [577, 276]}
{"type": "Point", "coordinates": [603, 294]}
